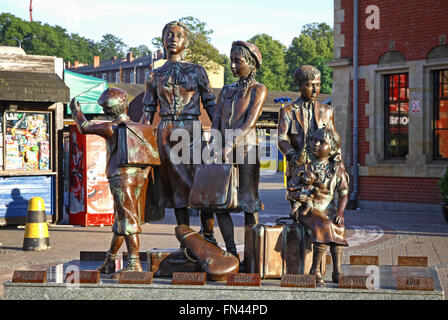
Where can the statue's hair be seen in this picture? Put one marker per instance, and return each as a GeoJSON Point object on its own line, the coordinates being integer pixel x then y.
{"type": "Point", "coordinates": [246, 54]}
{"type": "Point", "coordinates": [244, 83]}
{"type": "Point", "coordinates": [332, 136]}
{"type": "Point", "coordinates": [305, 73]}
{"type": "Point", "coordinates": [187, 35]}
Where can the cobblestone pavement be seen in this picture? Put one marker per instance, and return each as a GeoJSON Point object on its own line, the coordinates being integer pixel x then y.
{"type": "Point", "coordinates": [387, 234]}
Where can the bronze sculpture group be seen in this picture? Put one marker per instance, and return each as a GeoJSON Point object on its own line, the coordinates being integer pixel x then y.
{"type": "Point", "coordinates": [306, 137]}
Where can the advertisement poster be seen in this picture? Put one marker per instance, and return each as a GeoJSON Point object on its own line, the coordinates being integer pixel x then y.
{"type": "Point", "coordinates": [99, 198]}
{"type": "Point", "coordinates": [27, 141]}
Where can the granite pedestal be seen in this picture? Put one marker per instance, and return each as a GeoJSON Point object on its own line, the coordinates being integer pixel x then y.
{"type": "Point", "coordinates": [161, 288]}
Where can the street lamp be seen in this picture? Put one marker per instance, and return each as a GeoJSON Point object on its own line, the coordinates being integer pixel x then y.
{"type": "Point", "coordinates": [21, 40]}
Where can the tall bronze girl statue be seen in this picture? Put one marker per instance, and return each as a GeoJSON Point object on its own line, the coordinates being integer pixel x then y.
{"type": "Point", "coordinates": [238, 108]}
{"type": "Point", "coordinates": [176, 88]}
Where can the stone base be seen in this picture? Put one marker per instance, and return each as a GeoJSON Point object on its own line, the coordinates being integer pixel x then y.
{"type": "Point", "coordinates": [270, 289]}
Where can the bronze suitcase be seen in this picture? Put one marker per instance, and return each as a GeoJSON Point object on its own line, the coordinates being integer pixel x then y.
{"type": "Point", "coordinates": [163, 262]}
{"type": "Point", "coordinates": [280, 248]}
{"type": "Point", "coordinates": [137, 145]}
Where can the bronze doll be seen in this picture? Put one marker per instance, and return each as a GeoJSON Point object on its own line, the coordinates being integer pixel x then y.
{"type": "Point", "coordinates": [177, 88]}
{"type": "Point", "coordinates": [238, 108]}
{"type": "Point", "coordinates": [324, 220]}
{"type": "Point", "coordinates": [126, 182]}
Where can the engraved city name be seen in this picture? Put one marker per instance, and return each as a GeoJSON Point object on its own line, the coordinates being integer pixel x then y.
{"type": "Point", "coordinates": [191, 278]}
{"type": "Point", "coordinates": [353, 282]}
{"type": "Point", "coordinates": [131, 277]}
{"type": "Point", "coordinates": [29, 276]}
{"type": "Point", "coordinates": [415, 283]}
{"type": "Point", "coordinates": [83, 276]}
{"type": "Point", "coordinates": [244, 279]}
{"type": "Point", "coordinates": [413, 261]}
{"type": "Point", "coordinates": [364, 260]}
{"type": "Point", "coordinates": [298, 280]}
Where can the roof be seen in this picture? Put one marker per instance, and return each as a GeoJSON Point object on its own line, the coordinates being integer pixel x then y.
{"type": "Point", "coordinates": [114, 64]}
{"type": "Point", "coordinates": [32, 87]}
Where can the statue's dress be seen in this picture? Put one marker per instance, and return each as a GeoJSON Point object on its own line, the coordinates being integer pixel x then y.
{"type": "Point", "coordinates": [177, 89]}
{"type": "Point", "coordinates": [331, 177]}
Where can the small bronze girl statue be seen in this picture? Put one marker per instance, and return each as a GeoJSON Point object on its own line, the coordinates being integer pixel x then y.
{"type": "Point", "coordinates": [177, 88]}
{"type": "Point", "coordinates": [238, 108]}
{"type": "Point", "coordinates": [325, 220]}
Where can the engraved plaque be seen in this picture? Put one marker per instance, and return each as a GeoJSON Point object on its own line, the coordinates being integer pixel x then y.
{"type": "Point", "coordinates": [298, 280]}
{"type": "Point", "coordinates": [83, 276]}
{"type": "Point", "coordinates": [353, 282]}
{"type": "Point", "coordinates": [134, 277]}
{"type": "Point", "coordinates": [92, 255]}
{"type": "Point", "coordinates": [413, 261]}
{"type": "Point", "coordinates": [29, 276]}
{"type": "Point", "coordinates": [244, 279]}
{"type": "Point", "coordinates": [364, 260]}
{"type": "Point", "coordinates": [415, 283]}
{"type": "Point", "coordinates": [191, 278]}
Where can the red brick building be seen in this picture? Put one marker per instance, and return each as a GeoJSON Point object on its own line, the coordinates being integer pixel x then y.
{"type": "Point", "coordinates": [400, 65]}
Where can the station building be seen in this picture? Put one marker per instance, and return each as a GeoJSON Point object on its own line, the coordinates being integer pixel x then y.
{"type": "Point", "coordinates": [392, 67]}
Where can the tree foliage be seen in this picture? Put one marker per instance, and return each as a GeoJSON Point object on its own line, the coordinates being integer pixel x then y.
{"type": "Point", "coordinates": [273, 68]}
{"type": "Point", "coordinates": [200, 50]}
{"type": "Point", "coordinates": [56, 41]}
{"type": "Point", "coordinates": [313, 46]}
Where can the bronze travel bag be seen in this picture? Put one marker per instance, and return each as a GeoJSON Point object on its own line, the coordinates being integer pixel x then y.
{"type": "Point", "coordinates": [216, 263]}
{"type": "Point", "coordinates": [163, 262]}
{"type": "Point", "coordinates": [280, 248]}
{"type": "Point", "coordinates": [215, 186]}
{"type": "Point", "coordinates": [137, 145]}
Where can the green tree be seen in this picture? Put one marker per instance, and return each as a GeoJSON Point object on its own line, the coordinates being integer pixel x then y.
{"type": "Point", "coordinates": [111, 46]}
{"type": "Point", "coordinates": [200, 50]}
{"type": "Point", "coordinates": [140, 51]}
{"type": "Point", "coordinates": [313, 46]}
{"type": "Point", "coordinates": [273, 69]}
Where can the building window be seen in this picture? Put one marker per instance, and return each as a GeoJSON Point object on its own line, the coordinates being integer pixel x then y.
{"type": "Point", "coordinates": [131, 77]}
{"type": "Point", "coordinates": [440, 119]}
{"type": "Point", "coordinates": [104, 76]}
{"type": "Point", "coordinates": [396, 96]}
{"type": "Point", "coordinates": [117, 77]}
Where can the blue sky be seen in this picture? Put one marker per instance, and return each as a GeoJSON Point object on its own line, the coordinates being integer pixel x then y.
{"type": "Point", "coordinates": [138, 21]}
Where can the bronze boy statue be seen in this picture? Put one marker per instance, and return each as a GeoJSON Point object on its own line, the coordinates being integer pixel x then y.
{"type": "Point", "coordinates": [298, 121]}
{"type": "Point", "coordinates": [324, 220]}
{"type": "Point", "coordinates": [125, 182]}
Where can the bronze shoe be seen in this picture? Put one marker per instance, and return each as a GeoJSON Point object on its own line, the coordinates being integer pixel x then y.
{"type": "Point", "coordinates": [134, 265]}
{"type": "Point", "coordinates": [108, 266]}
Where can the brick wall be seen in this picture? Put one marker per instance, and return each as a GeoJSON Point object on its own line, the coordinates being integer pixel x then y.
{"type": "Point", "coordinates": [363, 120]}
{"type": "Point", "coordinates": [414, 26]}
{"type": "Point", "coordinates": [398, 189]}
